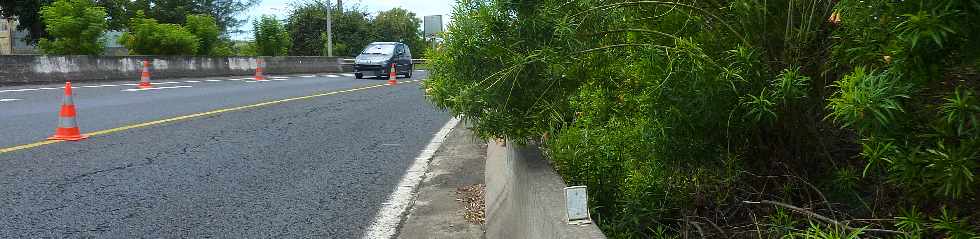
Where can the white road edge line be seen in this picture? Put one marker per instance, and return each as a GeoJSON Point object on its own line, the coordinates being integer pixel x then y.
{"type": "Point", "coordinates": [388, 219]}
{"type": "Point", "coordinates": [213, 80]}
{"type": "Point", "coordinates": [8, 100]}
{"type": "Point", "coordinates": [160, 88]}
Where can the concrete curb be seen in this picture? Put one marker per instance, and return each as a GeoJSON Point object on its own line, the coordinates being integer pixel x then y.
{"type": "Point", "coordinates": [525, 197]}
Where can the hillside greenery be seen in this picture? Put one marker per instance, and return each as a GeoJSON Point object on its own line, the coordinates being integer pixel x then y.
{"type": "Point", "coordinates": [738, 118]}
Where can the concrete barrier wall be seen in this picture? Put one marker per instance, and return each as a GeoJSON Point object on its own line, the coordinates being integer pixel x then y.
{"type": "Point", "coordinates": [40, 69]}
{"type": "Point", "coordinates": [525, 198]}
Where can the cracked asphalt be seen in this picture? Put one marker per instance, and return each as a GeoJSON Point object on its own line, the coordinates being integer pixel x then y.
{"type": "Point", "coordinates": [311, 168]}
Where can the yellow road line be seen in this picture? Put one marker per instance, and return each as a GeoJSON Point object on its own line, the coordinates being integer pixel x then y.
{"type": "Point", "coordinates": [191, 116]}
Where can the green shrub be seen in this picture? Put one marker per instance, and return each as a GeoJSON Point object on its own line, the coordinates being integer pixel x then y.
{"type": "Point", "coordinates": [916, 119]}
{"type": "Point", "coordinates": [271, 37]}
{"type": "Point", "coordinates": [147, 37]}
{"type": "Point", "coordinates": [207, 32]}
{"type": "Point", "coordinates": [75, 28]}
{"type": "Point", "coordinates": [673, 111]}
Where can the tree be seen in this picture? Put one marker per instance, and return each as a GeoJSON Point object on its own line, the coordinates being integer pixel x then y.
{"type": "Point", "coordinates": [225, 12]}
{"type": "Point", "coordinates": [76, 27]}
{"type": "Point", "coordinates": [148, 37]}
{"type": "Point", "coordinates": [305, 24]}
{"type": "Point", "coordinates": [399, 25]}
{"type": "Point", "coordinates": [119, 13]}
{"type": "Point", "coordinates": [271, 37]}
{"type": "Point", "coordinates": [351, 32]}
{"type": "Point", "coordinates": [206, 31]}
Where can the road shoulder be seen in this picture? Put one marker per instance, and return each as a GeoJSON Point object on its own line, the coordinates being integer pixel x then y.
{"type": "Point", "coordinates": [451, 191]}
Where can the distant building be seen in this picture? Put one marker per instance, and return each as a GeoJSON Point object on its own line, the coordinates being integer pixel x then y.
{"type": "Point", "coordinates": [4, 37]}
{"type": "Point", "coordinates": [12, 41]}
{"type": "Point", "coordinates": [112, 46]}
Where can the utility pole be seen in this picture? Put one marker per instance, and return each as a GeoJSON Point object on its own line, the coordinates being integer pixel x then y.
{"type": "Point", "coordinates": [329, 30]}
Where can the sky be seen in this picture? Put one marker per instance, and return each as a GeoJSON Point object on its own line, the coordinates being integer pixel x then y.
{"type": "Point", "coordinates": [280, 8]}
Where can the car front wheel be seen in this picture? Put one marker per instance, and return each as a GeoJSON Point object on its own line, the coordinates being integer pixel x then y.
{"type": "Point", "coordinates": [358, 75]}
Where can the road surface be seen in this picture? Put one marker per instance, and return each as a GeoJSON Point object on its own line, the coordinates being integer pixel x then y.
{"type": "Point", "coordinates": [296, 156]}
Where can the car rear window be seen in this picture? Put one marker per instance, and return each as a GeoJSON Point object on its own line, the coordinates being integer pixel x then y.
{"type": "Point", "coordinates": [385, 49]}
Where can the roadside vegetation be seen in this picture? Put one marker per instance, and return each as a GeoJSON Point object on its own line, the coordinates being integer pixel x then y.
{"type": "Point", "coordinates": [734, 119]}
{"type": "Point", "coordinates": [205, 27]}
{"type": "Point", "coordinates": [353, 29]}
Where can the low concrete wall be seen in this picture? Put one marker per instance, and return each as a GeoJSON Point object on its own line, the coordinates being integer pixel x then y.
{"type": "Point", "coordinates": [40, 69]}
{"type": "Point", "coordinates": [525, 197]}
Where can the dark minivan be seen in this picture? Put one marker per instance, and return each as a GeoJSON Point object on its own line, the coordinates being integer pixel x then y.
{"type": "Point", "coordinates": [376, 60]}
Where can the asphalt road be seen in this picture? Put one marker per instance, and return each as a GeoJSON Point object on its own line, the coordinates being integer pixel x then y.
{"type": "Point", "coordinates": [314, 167]}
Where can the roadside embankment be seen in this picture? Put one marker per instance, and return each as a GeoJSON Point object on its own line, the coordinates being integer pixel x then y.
{"type": "Point", "coordinates": [41, 69]}
{"type": "Point", "coordinates": [525, 197]}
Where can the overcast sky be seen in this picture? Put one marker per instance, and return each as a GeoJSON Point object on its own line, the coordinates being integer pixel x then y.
{"type": "Point", "coordinates": [280, 8]}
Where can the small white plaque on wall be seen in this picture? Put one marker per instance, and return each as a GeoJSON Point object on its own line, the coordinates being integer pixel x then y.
{"type": "Point", "coordinates": [577, 205]}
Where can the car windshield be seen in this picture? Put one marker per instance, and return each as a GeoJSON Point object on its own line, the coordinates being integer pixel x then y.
{"type": "Point", "coordinates": [383, 49]}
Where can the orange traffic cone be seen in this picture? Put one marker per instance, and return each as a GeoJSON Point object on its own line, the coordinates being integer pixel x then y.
{"type": "Point", "coordinates": [67, 126]}
{"type": "Point", "coordinates": [145, 78]}
{"type": "Point", "coordinates": [259, 76]}
{"type": "Point", "coordinates": [392, 75]}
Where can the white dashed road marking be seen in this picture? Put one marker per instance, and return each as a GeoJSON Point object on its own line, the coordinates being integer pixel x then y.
{"type": "Point", "coordinates": [348, 74]}
{"type": "Point", "coordinates": [160, 88]}
{"type": "Point", "coordinates": [18, 90]}
{"type": "Point", "coordinates": [274, 78]}
{"type": "Point", "coordinates": [98, 86]}
{"type": "Point", "coordinates": [8, 100]}
{"type": "Point", "coordinates": [386, 222]}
